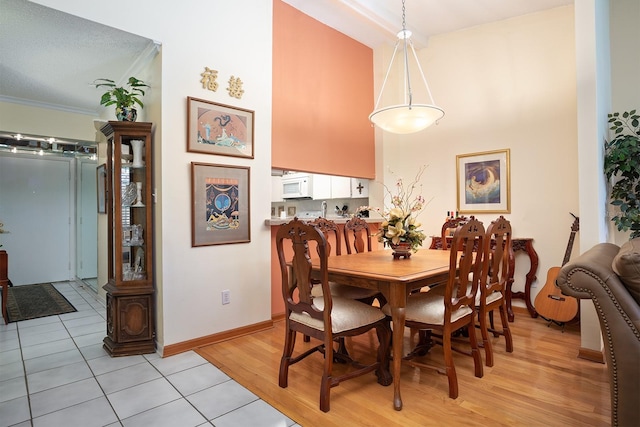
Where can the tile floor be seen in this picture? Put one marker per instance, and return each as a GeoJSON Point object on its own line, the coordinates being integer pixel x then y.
{"type": "Point", "coordinates": [54, 372]}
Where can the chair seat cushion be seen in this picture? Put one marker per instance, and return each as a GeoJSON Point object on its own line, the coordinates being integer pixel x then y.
{"type": "Point", "coordinates": [345, 291]}
{"type": "Point", "coordinates": [428, 307]}
{"type": "Point", "coordinates": [346, 314]}
{"type": "Point", "coordinates": [493, 296]}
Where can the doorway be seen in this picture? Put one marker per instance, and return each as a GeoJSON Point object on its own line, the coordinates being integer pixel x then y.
{"type": "Point", "coordinates": [48, 207]}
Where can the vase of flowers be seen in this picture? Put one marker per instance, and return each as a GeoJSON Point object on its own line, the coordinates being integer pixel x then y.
{"type": "Point", "coordinates": [400, 230]}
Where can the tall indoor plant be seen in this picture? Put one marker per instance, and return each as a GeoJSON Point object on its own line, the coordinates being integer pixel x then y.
{"type": "Point", "coordinates": [124, 99]}
{"type": "Point", "coordinates": [622, 167]}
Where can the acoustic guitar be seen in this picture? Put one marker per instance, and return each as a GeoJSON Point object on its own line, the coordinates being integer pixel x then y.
{"type": "Point", "coordinates": [550, 303]}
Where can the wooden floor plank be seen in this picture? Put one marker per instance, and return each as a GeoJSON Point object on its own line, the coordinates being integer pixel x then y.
{"type": "Point", "coordinates": [542, 383]}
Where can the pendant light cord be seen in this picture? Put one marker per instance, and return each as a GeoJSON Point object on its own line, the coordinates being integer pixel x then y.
{"type": "Point", "coordinates": [406, 56]}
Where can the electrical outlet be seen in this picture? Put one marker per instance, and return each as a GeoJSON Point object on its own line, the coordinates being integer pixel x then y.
{"type": "Point", "coordinates": [226, 296]}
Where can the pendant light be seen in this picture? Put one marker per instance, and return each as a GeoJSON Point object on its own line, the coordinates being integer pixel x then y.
{"type": "Point", "coordinates": [408, 117]}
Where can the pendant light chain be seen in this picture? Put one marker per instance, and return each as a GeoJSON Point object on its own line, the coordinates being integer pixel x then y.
{"type": "Point", "coordinates": [406, 57]}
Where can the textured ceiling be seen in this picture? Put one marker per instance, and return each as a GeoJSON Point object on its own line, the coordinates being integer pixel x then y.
{"type": "Point", "coordinates": [49, 58]}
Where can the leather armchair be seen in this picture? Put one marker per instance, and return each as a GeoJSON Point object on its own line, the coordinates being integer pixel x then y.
{"type": "Point", "coordinates": [605, 274]}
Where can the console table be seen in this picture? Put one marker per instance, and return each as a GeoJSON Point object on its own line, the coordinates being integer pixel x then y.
{"type": "Point", "coordinates": [518, 244]}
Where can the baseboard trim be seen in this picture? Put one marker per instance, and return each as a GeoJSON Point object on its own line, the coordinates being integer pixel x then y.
{"type": "Point", "coordinates": [277, 317]}
{"type": "Point", "coordinates": [591, 355]}
{"type": "Point", "coordinates": [181, 347]}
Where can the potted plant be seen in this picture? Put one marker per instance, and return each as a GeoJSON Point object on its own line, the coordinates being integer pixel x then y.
{"type": "Point", "coordinates": [622, 163]}
{"type": "Point", "coordinates": [123, 98]}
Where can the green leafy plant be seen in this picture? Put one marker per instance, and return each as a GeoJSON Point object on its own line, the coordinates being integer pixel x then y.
{"type": "Point", "coordinates": [121, 96]}
{"type": "Point", "coordinates": [622, 163]}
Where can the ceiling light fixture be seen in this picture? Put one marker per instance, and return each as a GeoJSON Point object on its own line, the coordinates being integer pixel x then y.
{"type": "Point", "coordinates": [408, 117]}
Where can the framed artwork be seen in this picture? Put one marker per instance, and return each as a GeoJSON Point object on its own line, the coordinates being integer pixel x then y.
{"type": "Point", "coordinates": [219, 204]}
{"type": "Point", "coordinates": [219, 129]}
{"type": "Point", "coordinates": [101, 190]}
{"type": "Point", "coordinates": [484, 182]}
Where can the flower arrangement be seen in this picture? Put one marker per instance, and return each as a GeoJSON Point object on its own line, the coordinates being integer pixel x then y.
{"type": "Point", "coordinates": [400, 223]}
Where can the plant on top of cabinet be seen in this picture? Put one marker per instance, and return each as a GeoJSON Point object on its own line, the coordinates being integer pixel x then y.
{"type": "Point", "coordinates": [622, 163]}
{"type": "Point", "coordinates": [123, 98]}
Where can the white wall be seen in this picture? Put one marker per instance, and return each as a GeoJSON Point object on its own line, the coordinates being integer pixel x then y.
{"type": "Point", "coordinates": [234, 38]}
{"type": "Point", "coordinates": [509, 84]}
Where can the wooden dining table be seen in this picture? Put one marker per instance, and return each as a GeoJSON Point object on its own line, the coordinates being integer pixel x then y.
{"type": "Point", "coordinates": [395, 279]}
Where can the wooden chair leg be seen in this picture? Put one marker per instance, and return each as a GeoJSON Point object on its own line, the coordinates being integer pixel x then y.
{"type": "Point", "coordinates": [384, 342]}
{"type": "Point", "coordinates": [325, 385]}
{"type": "Point", "coordinates": [289, 342]}
{"type": "Point", "coordinates": [495, 334]}
{"type": "Point", "coordinates": [450, 367]}
{"type": "Point", "coordinates": [506, 331]}
{"type": "Point", "coordinates": [475, 351]}
{"type": "Point", "coordinates": [486, 343]}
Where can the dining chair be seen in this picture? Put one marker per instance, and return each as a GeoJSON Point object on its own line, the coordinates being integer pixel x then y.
{"type": "Point", "coordinates": [331, 232]}
{"type": "Point", "coordinates": [446, 230]}
{"type": "Point", "coordinates": [493, 285]}
{"type": "Point", "coordinates": [357, 236]}
{"type": "Point", "coordinates": [446, 312]}
{"type": "Point", "coordinates": [325, 318]}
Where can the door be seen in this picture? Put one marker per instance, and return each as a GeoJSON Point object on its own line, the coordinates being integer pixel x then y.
{"type": "Point", "coordinates": [35, 207]}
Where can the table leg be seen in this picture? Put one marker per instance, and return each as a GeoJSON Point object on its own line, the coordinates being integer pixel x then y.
{"type": "Point", "coordinates": [398, 318]}
{"type": "Point", "coordinates": [525, 245]}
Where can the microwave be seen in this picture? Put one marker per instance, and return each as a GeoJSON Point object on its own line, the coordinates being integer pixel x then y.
{"type": "Point", "coordinates": [297, 186]}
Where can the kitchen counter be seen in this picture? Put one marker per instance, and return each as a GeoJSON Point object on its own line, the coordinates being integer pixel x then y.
{"type": "Point", "coordinates": [337, 219]}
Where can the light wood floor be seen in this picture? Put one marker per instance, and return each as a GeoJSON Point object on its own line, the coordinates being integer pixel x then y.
{"type": "Point", "coordinates": [542, 383]}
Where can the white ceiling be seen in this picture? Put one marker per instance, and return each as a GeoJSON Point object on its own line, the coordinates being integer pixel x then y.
{"type": "Point", "coordinates": [375, 22]}
{"type": "Point", "coordinates": [50, 58]}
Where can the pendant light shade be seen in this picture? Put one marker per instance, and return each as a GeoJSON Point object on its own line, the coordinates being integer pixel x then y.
{"type": "Point", "coordinates": [408, 117]}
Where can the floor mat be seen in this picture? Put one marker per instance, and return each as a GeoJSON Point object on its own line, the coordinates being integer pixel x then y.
{"type": "Point", "coordinates": [33, 301]}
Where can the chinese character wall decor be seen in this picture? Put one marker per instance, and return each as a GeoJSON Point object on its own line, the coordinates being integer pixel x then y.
{"type": "Point", "coordinates": [209, 78]}
{"type": "Point", "coordinates": [235, 87]}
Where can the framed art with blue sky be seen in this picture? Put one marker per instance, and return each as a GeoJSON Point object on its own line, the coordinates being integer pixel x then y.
{"type": "Point", "coordinates": [484, 182]}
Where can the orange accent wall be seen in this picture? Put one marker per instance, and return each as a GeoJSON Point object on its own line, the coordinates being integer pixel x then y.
{"type": "Point", "coordinates": [322, 98]}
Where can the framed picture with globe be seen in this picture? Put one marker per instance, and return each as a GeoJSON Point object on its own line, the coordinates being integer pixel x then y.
{"type": "Point", "coordinates": [219, 204]}
{"type": "Point", "coordinates": [219, 129]}
{"type": "Point", "coordinates": [484, 182]}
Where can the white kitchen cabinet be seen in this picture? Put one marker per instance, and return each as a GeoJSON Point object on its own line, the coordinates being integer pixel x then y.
{"type": "Point", "coordinates": [340, 187]}
{"type": "Point", "coordinates": [359, 188]}
{"type": "Point", "coordinates": [276, 188]}
{"type": "Point", "coordinates": [321, 187]}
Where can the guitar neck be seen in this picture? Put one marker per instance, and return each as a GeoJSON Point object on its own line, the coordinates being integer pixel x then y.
{"type": "Point", "coordinates": [567, 254]}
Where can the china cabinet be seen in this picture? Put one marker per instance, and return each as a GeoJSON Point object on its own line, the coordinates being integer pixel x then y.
{"type": "Point", "coordinates": [130, 292]}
